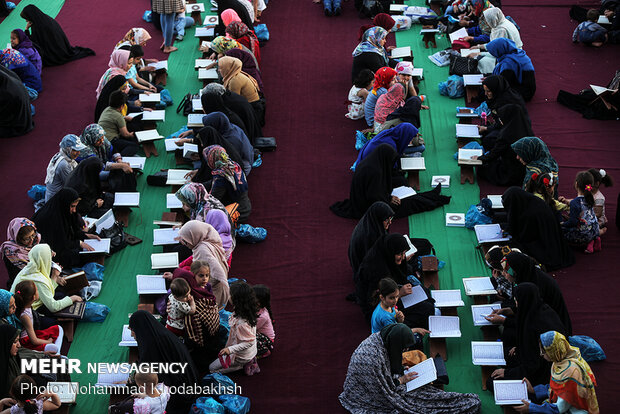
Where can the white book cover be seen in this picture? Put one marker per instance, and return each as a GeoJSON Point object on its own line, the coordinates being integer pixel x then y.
{"type": "Point", "coordinates": [195, 7]}
{"type": "Point", "coordinates": [480, 312]}
{"type": "Point", "coordinates": [509, 392]}
{"type": "Point", "coordinates": [151, 285]}
{"type": "Point", "coordinates": [149, 98]}
{"type": "Point", "coordinates": [412, 249]}
{"type": "Point", "coordinates": [400, 52]}
{"type": "Point", "coordinates": [67, 391]}
{"type": "Point", "coordinates": [444, 180]}
{"type": "Point", "coordinates": [490, 233]}
{"type": "Point", "coordinates": [412, 163]}
{"type": "Point", "coordinates": [472, 80]}
{"type": "Point", "coordinates": [177, 177]}
{"type": "Point", "coordinates": [211, 21]}
{"type": "Point", "coordinates": [447, 298]}
{"type": "Point", "coordinates": [478, 286]}
{"type": "Point", "coordinates": [455, 219]}
{"type": "Point", "coordinates": [203, 63]}
{"type": "Point", "coordinates": [163, 237]}
{"type": "Point", "coordinates": [496, 201]}
{"type": "Point", "coordinates": [416, 296]}
{"type": "Point", "coordinates": [205, 32]}
{"type": "Point", "coordinates": [165, 260]}
{"type": "Point", "coordinates": [398, 7]}
{"type": "Point", "coordinates": [171, 144]}
{"type": "Point", "coordinates": [100, 246]}
{"type": "Point", "coordinates": [195, 120]}
{"type": "Point", "coordinates": [105, 222]}
{"type": "Point", "coordinates": [462, 32]}
{"type": "Point", "coordinates": [189, 150]}
{"type": "Point", "coordinates": [207, 74]}
{"type": "Point", "coordinates": [488, 353]}
{"type": "Point", "coordinates": [197, 104]}
{"type": "Point", "coordinates": [148, 135]}
{"type": "Point", "coordinates": [426, 371]}
{"type": "Point", "coordinates": [600, 89]}
{"type": "Point", "coordinates": [135, 162]}
{"type": "Point", "coordinates": [122, 199]}
{"type": "Point", "coordinates": [172, 201]}
{"type": "Point", "coordinates": [467, 131]}
{"type": "Point", "coordinates": [403, 192]}
{"type": "Point", "coordinates": [444, 326]}
{"type": "Point", "coordinates": [162, 64]}
{"type": "Point", "coordinates": [126, 338]}
{"type": "Point", "coordinates": [418, 72]}
{"type": "Point", "coordinates": [158, 115]}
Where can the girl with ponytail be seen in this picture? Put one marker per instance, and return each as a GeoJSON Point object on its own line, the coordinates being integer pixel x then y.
{"type": "Point", "coordinates": [582, 229]}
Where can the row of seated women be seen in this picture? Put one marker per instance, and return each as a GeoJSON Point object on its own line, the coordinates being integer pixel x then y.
{"type": "Point", "coordinates": [43, 43]}
{"type": "Point", "coordinates": [533, 313]}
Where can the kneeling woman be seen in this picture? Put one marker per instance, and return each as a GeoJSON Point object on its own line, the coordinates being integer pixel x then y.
{"type": "Point", "coordinates": [375, 380]}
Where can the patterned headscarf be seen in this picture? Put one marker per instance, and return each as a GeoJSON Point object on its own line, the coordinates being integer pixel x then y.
{"type": "Point", "coordinates": [92, 134]}
{"type": "Point", "coordinates": [199, 200]}
{"type": "Point", "coordinates": [221, 165]}
{"type": "Point", "coordinates": [24, 40]}
{"type": "Point", "coordinates": [65, 153]}
{"type": "Point", "coordinates": [237, 30]}
{"type": "Point", "coordinates": [370, 43]}
{"type": "Point", "coordinates": [135, 36]}
{"type": "Point", "coordinates": [383, 77]}
{"type": "Point", "coordinates": [221, 44]}
{"type": "Point", "coordinates": [535, 153]}
{"type": "Point", "coordinates": [389, 102]}
{"type": "Point", "coordinates": [11, 58]}
{"type": "Point", "coordinates": [571, 376]}
{"type": "Point", "coordinates": [11, 249]}
{"type": "Point", "coordinates": [5, 300]}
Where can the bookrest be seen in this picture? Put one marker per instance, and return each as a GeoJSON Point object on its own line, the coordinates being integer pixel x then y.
{"type": "Point", "coordinates": [471, 91]}
{"type": "Point", "coordinates": [413, 178]}
{"type": "Point", "coordinates": [490, 332]}
{"type": "Point", "coordinates": [172, 216]}
{"type": "Point", "coordinates": [438, 346]}
{"type": "Point", "coordinates": [149, 149]}
{"type": "Point", "coordinates": [430, 269]}
{"type": "Point", "coordinates": [160, 77]}
{"type": "Point", "coordinates": [485, 374]}
{"type": "Point", "coordinates": [68, 325]}
{"type": "Point", "coordinates": [467, 173]}
{"type": "Point", "coordinates": [429, 39]}
{"type": "Point", "coordinates": [449, 311]}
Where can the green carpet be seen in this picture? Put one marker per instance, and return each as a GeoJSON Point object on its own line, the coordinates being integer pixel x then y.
{"type": "Point", "coordinates": [455, 246]}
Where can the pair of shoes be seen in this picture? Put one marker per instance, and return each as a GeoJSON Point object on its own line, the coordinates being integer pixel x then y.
{"type": "Point", "coordinates": [328, 12]}
{"type": "Point", "coordinates": [597, 244]}
{"type": "Point", "coordinates": [590, 247]}
{"type": "Point", "coordinates": [338, 11]}
{"type": "Point", "coordinates": [179, 37]}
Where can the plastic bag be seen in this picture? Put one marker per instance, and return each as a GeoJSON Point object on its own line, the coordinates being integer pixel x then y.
{"type": "Point", "coordinates": [415, 12]}
{"type": "Point", "coordinates": [10, 5]}
{"type": "Point", "coordinates": [94, 271]}
{"type": "Point", "coordinates": [147, 16]}
{"type": "Point", "coordinates": [453, 87]}
{"type": "Point", "coordinates": [360, 140]}
{"type": "Point", "coordinates": [91, 291]}
{"type": "Point", "coordinates": [95, 312]}
{"type": "Point", "coordinates": [262, 33]}
{"type": "Point", "coordinates": [482, 108]}
{"type": "Point", "coordinates": [235, 404]}
{"type": "Point", "coordinates": [589, 348]}
{"type": "Point", "coordinates": [224, 315]}
{"type": "Point", "coordinates": [402, 23]}
{"type": "Point", "coordinates": [258, 161]}
{"type": "Point", "coordinates": [179, 132]}
{"type": "Point", "coordinates": [478, 214]}
{"type": "Point", "coordinates": [37, 192]}
{"type": "Point", "coordinates": [165, 97]}
{"type": "Point", "coordinates": [207, 405]}
{"type": "Point", "coordinates": [249, 234]}
{"type": "Point", "coordinates": [219, 383]}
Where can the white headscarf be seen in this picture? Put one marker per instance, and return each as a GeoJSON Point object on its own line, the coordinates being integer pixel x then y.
{"type": "Point", "coordinates": [502, 27]}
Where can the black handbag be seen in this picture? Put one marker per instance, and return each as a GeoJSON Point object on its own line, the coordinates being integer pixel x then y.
{"type": "Point", "coordinates": [116, 234]}
{"type": "Point", "coordinates": [442, 371]}
{"type": "Point", "coordinates": [186, 104]}
{"type": "Point", "coordinates": [462, 65]}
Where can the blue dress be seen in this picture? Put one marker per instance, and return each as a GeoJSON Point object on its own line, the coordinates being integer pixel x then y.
{"type": "Point", "coordinates": [582, 225]}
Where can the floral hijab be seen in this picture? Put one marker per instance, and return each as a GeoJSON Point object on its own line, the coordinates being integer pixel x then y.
{"type": "Point", "coordinates": [221, 165]}
{"type": "Point", "coordinates": [92, 134]}
{"type": "Point", "coordinates": [135, 36]}
{"type": "Point", "coordinates": [64, 153]}
{"type": "Point", "coordinates": [370, 43]}
{"type": "Point", "coordinates": [222, 44]}
{"type": "Point", "coordinates": [199, 201]}
{"type": "Point", "coordinates": [11, 58]}
{"type": "Point", "coordinates": [535, 153]}
{"type": "Point", "coordinates": [11, 249]}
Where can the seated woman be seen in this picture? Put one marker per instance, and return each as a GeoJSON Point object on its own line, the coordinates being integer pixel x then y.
{"type": "Point", "coordinates": [220, 45]}
{"type": "Point", "coordinates": [206, 246]}
{"type": "Point", "coordinates": [480, 34]}
{"type": "Point", "coordinates": [235, 80]}
{"type": "Point", "coordinates": [240, 9]}
{"type": "Point", "coordinates": [62, 164]}
{"type": "Point", "coordinates": [39, 270]}
{"type": "Point", "coordinates": [398, 138]}
{"type": "Point", "coordinates": [589, 104]}
{"type": "Point", "coordinates": [212, 102]}
{"type": "Point", "coordinates": [534, 154]}
{"type": "Point", "coordinates": [410, 113]}
{"type": "Point", "coordinates": [375, 379]}
{"type": "Point", "coordinates": [499, 162]}
{"type": "Point", "coordinates": [383, 20]}
{"type": "Point", "coordinates": [386, 258]}
{"type": "Point", "coordinates": [156, 344]}
{"type": "Point", "coordinates": [60, 227]}
{"type": "Point", "coordinates": [235, 136]}
{"type": "Point", "coordinates": [228, 184]}
{"type": "Point", "coordinates": [21, 43]}
{"type": "Point", "coordinates": [374, 224]}
{"type": "Point", "coordinates": [572, 382]}
{"type": "Point", "coordinates": [22, 236]}
{"type": "Point", "coordinates": [535, 230]}
{"type": "Point", "coordinates": [114, 123]}
{"type": "Point", "coordinates": [514, 65]}
{"type": "Point", "coordinates": [246, 37]}
{"type": "Point", "coordinates": [385, 77]}
{"type": "Point", "coordinates": [499, 93]}
{"type": "Point", "coordinates": [387, 103]}
{"type": "Point", "coordinates": [30, 76]}
{"type": "Point", "coordinates": [94, 202]}
{"type": "Point", "coordinates": [220, 220]}
{"type": "Point", "coordinates": [370, 53]}
{"type": "Point", "coordinates": [119, 64]}
{"type": "Point", "coordinates": [50, 39]}
{"type": "Point", "coordinates": [374, 179]}
{"type": "Point", "coordinates": [248, 64]}
{"type": "Point", "coordinates": [197, 201]}
{"type": "Point", "coordinates": [207, 137]}
{"type": "Point", "coordinates": [15, 108]}
{"type": "Point", "coordinates": [501, 27]}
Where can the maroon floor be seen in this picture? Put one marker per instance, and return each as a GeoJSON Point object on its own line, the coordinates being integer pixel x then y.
{"type": "Point", "coordinates": [306, 71]}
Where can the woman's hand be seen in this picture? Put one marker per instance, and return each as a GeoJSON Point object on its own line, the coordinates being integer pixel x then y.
{"type": "Point", "coordinates": [224, 351]}
{"type": "Point", "coordinates": [528, 384]}
{"type": "Point", "coordinates": [191, 174]}
{"type": "Point", "coordinates": [86, 247]}
{"type": "Point", "coordinates": [99, 203]}
{"type": "Point", "coordinates": [7, 402]}
{"type": "Point", "coordinates": [482, 129]}
{"type": "Point", "coordinates": [512, 351]}
{"type": "Point", "coordinates": [408, 377]}
{"type": "Point", "coordinates": [425, 107]}
{"type": "Point", "coordinates": [390, 48]}
{"type": "Point", "coordinates": [395, 200]}
{"type": "Point", "coordinates": [525, 408]}
{"type": "Point", "coordinates": [92, 236]}
{"type": "Point", "coordinates": [420, 331]}
{"type": "Point", "coordinates": [126, 167]}
{"type": "Point", "coordinates": [498, 374]}
{"type": "Point", "coordinates": [468, 38]}
{"type": "Point", "coordinates": [76, 298]}
{"type": "Point", "coordinates": [152, 88]}
{"type": "Point", "coordinates": [167, 275]}
{"type": "Point", "coordinates": [405, 290]}
{"type": "Point", "coordinates": [182, 137]}
{"type": "Point", "coordinates": [495, 318]}
{"type": "Point", "coordinates": [28, 25]}
{"type": "Point", "coordinates": [59, 279]}
{"type": "Point", "coordinates": [137, 103]}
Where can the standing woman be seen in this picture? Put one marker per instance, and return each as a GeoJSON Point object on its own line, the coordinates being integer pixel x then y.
{"type": "Point", "coordinates": [50, 39]}
{"type": "Point", "coordinates": [167, 10]}
{"type": "Point", "coordinates": [21, 42]}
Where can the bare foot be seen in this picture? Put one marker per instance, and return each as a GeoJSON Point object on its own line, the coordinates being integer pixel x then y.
{"type": "Point", "coordinates": [162, 45]}
{"type": "Point", "coordinates": [170, 49]}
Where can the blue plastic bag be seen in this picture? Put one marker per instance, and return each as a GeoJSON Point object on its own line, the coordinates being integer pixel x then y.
{"type": "Point", "coordinates": [220, 384]}
{"type": "Point", "coordinates": [258, 161]}
{"type": "Point", "coordinates": [484, 107]}
{"type": "Point", "coordinates": [165, 97]}
{"type": "Point", "coordinates": [250, 234]}
{"type": "Point", "coordinates": [37, 192]}
{"type": "Point", "coordinates": [262, 33]}
{"type": "Point", "coordinates": [94, 271]}
{"type": "Point", "coordinates": [207, 405]}
{"type": "Point", "coordinates": [478, 214]}
{"type": "Point", "coordinates": [224, 315]}
{"type": "Point", "coordinates": [360, 140]}
{"type": "Point", "coordinates": [453, 87]}
{"type": "Point", "coordinates": [179, 132]}
{"type": "Point", "coordinates": [95, 312]}
{"type": "Point", "coordinates": [10, 5]}
{"type": "Point", "coordinates": [589, 348]}
{"type": "Point", "coordinates": [235, 404]}
{"type": "Point", "coordinates": [413, 280]}
{"type": "Point", "coordinates": [147, 16]}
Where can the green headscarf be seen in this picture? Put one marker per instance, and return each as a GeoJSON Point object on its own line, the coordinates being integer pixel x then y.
{"type": "Point", "coordinates": [535, 153]}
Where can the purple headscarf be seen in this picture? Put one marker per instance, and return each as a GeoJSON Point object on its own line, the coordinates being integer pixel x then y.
{"type": "Point", "coordinates": [248, 64]}
{"type": "Point", "coordinates": [220, 222]}
{"type": "Point", "coordinates": [27, 49]}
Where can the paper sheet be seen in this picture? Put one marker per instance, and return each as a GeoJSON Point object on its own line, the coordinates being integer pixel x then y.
{"type": "Point", "coordinates": [444, 326]}
{"type": "Point", "coordinates": [403, 192]}
{"type": "Point", "coordinates": [426, 371]}
{"type": "Point", "coordinates": [447, 298]}
{"type": "Point", "coordinates": [151, 284]}
{"type": "Point", "coordinates": [417, 295]}
{"type": "Point", "coordinates": [462, 32]}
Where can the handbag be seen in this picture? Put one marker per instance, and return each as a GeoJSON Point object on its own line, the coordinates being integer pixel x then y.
{"type": "Point", "coordinates": [186, 104]}
{"type": "Point", "coordinates": [463, 66]}
{"type": "Point", "coordinates": [116, 234]}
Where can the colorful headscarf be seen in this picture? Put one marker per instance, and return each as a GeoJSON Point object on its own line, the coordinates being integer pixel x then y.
{"type": "Point", "coordinates": [117, 66]}
{"type": "Point", "coordinates": [535, 153]}
{"type": "Point", "coordinates": [221, 44]}
{"type": "Point", "coordinates": [5, 300]}
{"type": "Point", "coordinates": [11, 249]}
{"type": "Point", "coordinates": [135, 36]}
{"type": "Point", "coordinates": [92, 134]}
{"type": "Point", "coordinates": [370, 43]}
{"type": "Point", "coordinates": [221, 165]}
{"type": "Point", "coordinates": [199, 200]}
{"type": "Point", "coordinates": [478, 6]}
{"type": "Point", "coordinates": [237, 30]}
{"type": "Point", "coordinates": [383, 77]}
{"type": "Point", "coordinates": [389, 102]}
{"type": "Point", "coordinates": [571, 376]}
{"type": "Point", "coordinates": [11, 58]}
{"type": "Point", "coordinates": [229, 16]}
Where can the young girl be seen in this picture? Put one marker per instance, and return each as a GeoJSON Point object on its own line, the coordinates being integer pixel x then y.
{"type": "Point", "coordinates": [49, 339]}
{"type": "Point", "coordinates": [600, 177]}
{"type": "Point", "coordinates": [358, 93]}
{"type": "Point", "coordinates": [265, 334]}
{"type": "Point", "coordinates": [180, 303]}
{"type": "Point", "coordinates": [386, 313]}
{"type": "Point", "coordinates": [543, 187]}
{"type": "Point", "coordinates": [582, 228]}
{"type": "Point", "coordinates": [240, 350]}
{"type": "Point", "coordinates": [25, 399]}
{"type": "Point", "coordinates": [153, 397]}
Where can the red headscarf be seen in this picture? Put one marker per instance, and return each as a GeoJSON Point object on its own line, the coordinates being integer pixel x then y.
{"type": "Point", "coordinates": [383, 77]}
{"type": "Point", "coordinates": [382, 19]}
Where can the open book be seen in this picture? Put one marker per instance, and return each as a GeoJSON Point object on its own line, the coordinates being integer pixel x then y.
{"type": "Point", "coordinates": [447, 298]}
{"type": "Point", "coordinates": [416, 296]}
{"type": "Point", "coordinates": [462, 32]}
{"type": "Point", "coordinates": [127, 339]}
{"type": "Point", "coordinates": [149, 98]}
{"type": "Point", "coordinates": [161, 65]}
{"type": "Point", "coordinates": [401, 52]}
{"type": "Point", "coordinates": [165, 260]}
{"type": "Point", "coordinates": [602, 19]}
{"type": "Point", "coordinates": [480, 312]}
{"type": "Point", "coordinates": [100, 246]}
{"type": "Point", "coordinates": [465, 156]}
{"type": "Point", "coordinates": [207, 74]}
{"type": "Point", "coordinates": [189, 150]}
{"type": "Point", "coordinates": [67, 391]}
{"type": "Point", "coordinates": [122, 199]}
{"type": "Point", "coordinates": [163, 237]}
{"type": "Point", "coordinates": [106, 378]}
{"type": "Point", "coordinates": [157, 115]}
{"type": "Point", "coordinates": [403, 192]}
{"type": "Point", "coordinates": [467, 131]}
{"type": "Point", "coordinates": [418, 72]}
{"type": "Point", "coordinates": [195, 120]}
{"type": "Point", "coordinates": [412, 163]}
{"type": "Point", "coordinates": [172, 201]}
{"type": "Point", "coordinates": [490, 233]}
{"type": "Point", "coordinates": [487, 353]}
{"type": "Point", "coordinates": [426, 371]}
{"type": "Point", "coordinates": [601, 89]}
{"type": "Point", "coordinates": [135, 162]}
{"type": "Point", "coordinates": [194, 7]}
{"type": "Point", "coordinates": [444, 180]}
{"type": "Point", "coordinates": [412, 249]}
{"type": "Point", "coordinates": [496, 201]}
{"type": "Point", "coordinates": [444, 326]}
{"type": "Point", "coordinates": [104, 222]}
{"type": "Point", "coordinates": [204, 32]}
{"type": "Point", "coordinates": [148, 135]}
{"type": "Point", "coordinates": [475, 286]}
{"type": "Point", "coordinates": [509, 392]}
{"type": "Point", "coordinates": [196, 104]}
{"type": "Point", "coordinates": [455, 219]}
{"type": "Point", "coordinates": [203, 63]}
{"type": "Point", "coordinates": [177, 177]}
{"type": "Point", "coordinates": [472, 80]}
{"type": "Point", "coordinates": [151, 285]}
{"type": "Point", "coordinates": [171, 144]}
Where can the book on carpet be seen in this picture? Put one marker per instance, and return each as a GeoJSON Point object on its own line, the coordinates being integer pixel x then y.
{"type": "Point", "coordinates": [149, 97]}
{"type": "Point", "coordinates": [172, 201]}
{"type": "Point", "coordinates": [151, 285]}
{"type": "Point", "coordinates": [164, 237]}
{"type": "Point", "coordinates": [416, 296]}
{"type": "Point", "coordinates": [207, 74]}
{"type": "Point", "coordinates": [490, 353]}
{"type": "Point", "coordinates": [189, 150]}
{"type": "Point", "coordinates": [444, 180]}
{"type": "Point", "coordinates": [496, 201]}
{"type": "Point", "coordinates": [509, 392]}
{"type": "Point", "coordinates": [195, 120]}
{"type": "Point", "coordinates": [100, 246]}
{"type": "Point", "coordinates": [467, 131]}
{"type": "Point", "coordinates": [480, 312]}
{"type": "Point", "coordinates": [447, 298]}
{"type": "Point", "coordinates": [475, 286]}
{"type": "Point", "coordinates": [157, 115]}
{"type": "Point", "coordinates": [177, 177]}
{"type": "Point", "coordinates": [196, 104]}
{"type": "Point", "coordinates": [412, 249]}
{"type": "Point", "coordinates": [203, 63]}
{"type": "Point", "coordinates": [204, 32]}
{"type": "Point", "coordinates": [171, 144]}
{"type": "Point", "coordinates": [194, 7]}
{"type": "Point", "coordinates": [117, 378]}
{"type": "Point", "coordinates": [403, 192]}
{"type": "Point", "coordinates": [426, 371]}
{"type": "Point", "coordinates": [127, 199]}
{"type": "Point", "coordinates": [462, 32]}
{"type": "Point", "coordinates": [412, 163]}
{"type": "Point", "coordinates": [126, 338]}
{"type": "Point", "coordinates": [66, 391]}
{"type": "Point", "coordinates": [164, 260]}
{"type": "Point", "coordinates": [75, 311]}
{"type": "Point", "coordinates": [211, 21]}
{"type": "Point", "coordinates": [465, 112]}
{"type": "Point", "coordinates": [148, 135]}
{"type": "Point", "coordinates": [161, 65]}
{"type": "Point", "coordinates": [490, 233]}
{"type": "Point", "coordinates": [444, 326]}
{"type": "Point", "coordinates": [135, 162]}
{"type": "Point", "coordinates": [472, 80]}
{"type": "Point", "coordinates": [105, 222]}
{"type": "Point", "coordinates": [401, 52]}
{"type": "Point", "coordinates": [455, 220]}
